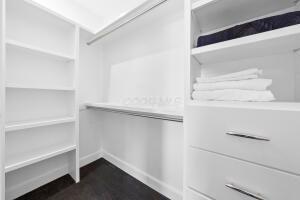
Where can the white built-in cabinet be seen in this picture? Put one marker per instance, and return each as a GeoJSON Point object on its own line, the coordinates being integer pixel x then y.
{"type": "Point", "coordinates": [39, 106]}
{"type": "Point", "coordinates": [242, 150]}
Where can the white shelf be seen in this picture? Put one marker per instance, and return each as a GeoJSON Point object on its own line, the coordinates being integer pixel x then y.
{"type": "Point", "coordinates": [35, 157]}
{"type": "Point", "coordinates": [279, 41]}
{"type": "Point", "coordinates": [216, 14]}
{"type": "Point", "coordinates": [45, 52]}
{"type": "Point", "coordinates": [282, 106]}
{"type": "Point", "coordinates": [16, 126]}
{"type": "Point", "coordinates": [156, 113]}
{"type": "Point", "coordinates": [16, 86]}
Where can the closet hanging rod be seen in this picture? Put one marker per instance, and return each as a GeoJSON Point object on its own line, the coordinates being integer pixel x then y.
{"type": "Point", "coordinates": [145, 114]}
{"type": "Point", "coordinates": [127, 18]}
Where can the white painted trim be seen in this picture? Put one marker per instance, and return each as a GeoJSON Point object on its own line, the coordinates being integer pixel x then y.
{"type": "Point", "coordinates": [145, 178]}
{"type": "Point", "coordinates": [90, 158]}
{"type": "Point", "coordinates": [37, 182]}
{"type": "Point", "coordinates": [34, 183]}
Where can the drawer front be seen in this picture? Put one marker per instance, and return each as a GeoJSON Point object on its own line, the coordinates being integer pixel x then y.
{"type": "Point", "coordinates": [192, 195]}
{"type": "Point", "coordinates": [207, 129]}
{"type": "Point", "coordinates": [209, 173]}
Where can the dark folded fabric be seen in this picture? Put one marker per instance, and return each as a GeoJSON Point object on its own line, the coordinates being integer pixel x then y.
{"type": "Point", "coordinates": [251, 28]}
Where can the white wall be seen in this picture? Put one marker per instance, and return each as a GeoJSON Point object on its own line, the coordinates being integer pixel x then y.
{"type": "Point", "coordinates": [145, 59]}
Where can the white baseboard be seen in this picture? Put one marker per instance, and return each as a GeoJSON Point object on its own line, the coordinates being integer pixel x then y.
{"type": "Point", "coordinates": [34, 183]}
{"type": "Point", "coordinates": [90, 158]}
{"type": "Point", "coordinates": [145, 178]}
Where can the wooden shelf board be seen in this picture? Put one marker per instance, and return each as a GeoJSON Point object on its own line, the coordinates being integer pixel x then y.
{"type": "Point", "coordinates": [16, 126]}
{"type": "Point", "coordinates": [45, 52]}
{"type": "Point", "coordinates": [156, 113]}
{"type": "Point", "coordinates": [32, 158]}
{"type": "Point", "coordinates": [285, 40]}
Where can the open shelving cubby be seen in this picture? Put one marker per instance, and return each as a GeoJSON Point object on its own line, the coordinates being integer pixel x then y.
{"type": "Point", "coordinates": [41, 106]}
{"type": "Point", "coordinates": [276, 52]}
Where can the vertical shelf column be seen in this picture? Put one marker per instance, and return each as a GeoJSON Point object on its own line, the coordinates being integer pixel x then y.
{"type": "Point", "coordinates": [74, 172]}
{"type": "Point", "coordinates": [2, 98]}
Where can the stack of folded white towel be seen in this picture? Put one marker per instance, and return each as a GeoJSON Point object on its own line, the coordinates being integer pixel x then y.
{"type": "Point", "coordinates": [240, 86]}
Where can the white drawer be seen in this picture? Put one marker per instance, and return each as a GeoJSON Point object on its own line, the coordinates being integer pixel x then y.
{"type": "Point", "coordinates": [207, 128]}
{"type": "Point", "coordinates": [209, 173]}
{"type": "Point", "coordinates": [192, 195]}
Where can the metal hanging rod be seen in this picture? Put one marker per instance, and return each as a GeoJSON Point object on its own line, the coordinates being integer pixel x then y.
{"type": "Point", "coordinates": [127, 18]}
{"type": "Point", "coordinates": [145, 114]}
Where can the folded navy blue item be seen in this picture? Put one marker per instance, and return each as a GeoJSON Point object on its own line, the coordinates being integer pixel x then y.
{"type": "Point", "coordinates": [251, 28]}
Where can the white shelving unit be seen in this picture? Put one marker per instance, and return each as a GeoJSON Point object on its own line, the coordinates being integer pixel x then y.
{"type": "Point", "coordinates": [276, 52]}
{"type": "Point", "coordinates": [39, 95]}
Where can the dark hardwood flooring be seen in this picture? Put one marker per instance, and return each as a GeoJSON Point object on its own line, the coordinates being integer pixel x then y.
{"type": "Point", "coordinates": [99, 181]}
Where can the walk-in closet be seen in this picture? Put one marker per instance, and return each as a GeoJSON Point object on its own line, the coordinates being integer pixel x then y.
{"type": "Point", "coordinates": [149, 99]}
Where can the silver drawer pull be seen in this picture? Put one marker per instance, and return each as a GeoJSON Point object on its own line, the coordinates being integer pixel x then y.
{"type": "Point", "coordinates": [246, 135]}
{"type": "Point", "coordinates": [245, 192]}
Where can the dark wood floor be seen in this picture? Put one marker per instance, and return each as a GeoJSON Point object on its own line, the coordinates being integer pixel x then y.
{"type": "Point", "coordinates": [99, 181]}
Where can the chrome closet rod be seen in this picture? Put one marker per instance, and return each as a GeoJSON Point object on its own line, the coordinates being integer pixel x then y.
{"type": "Point", "coordinates": [138, 114]}
{"type": "Point", "coordinates": [140, 10]}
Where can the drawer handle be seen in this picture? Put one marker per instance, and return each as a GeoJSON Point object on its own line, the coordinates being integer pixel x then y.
{"type": "Point", "coordinates": [245, 191]}
{"type": "Point", "coordinates": [249, 136]}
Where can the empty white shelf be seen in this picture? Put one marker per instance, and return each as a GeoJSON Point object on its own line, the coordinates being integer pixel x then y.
{"type": "Point", "coordinates": [34, 124]}
{"type": "Point", "coordinates": [279, 41]}
{"type": "Point", "coordinates": [16, 86]}
{"type": "Point", "coordinates": [38, 50]}
{"type": "Point", "coordinates": [155, 113]}
{"type": "Point", "coordinates": [30, 158]}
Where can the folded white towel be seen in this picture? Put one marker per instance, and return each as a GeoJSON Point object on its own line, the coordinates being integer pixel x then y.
{"type": "Point", "coordinates": [242, 75]}
{"type": "Point", "coordinates": [251, 84]}
{"type": "Point", "coordinates": [234, 95]}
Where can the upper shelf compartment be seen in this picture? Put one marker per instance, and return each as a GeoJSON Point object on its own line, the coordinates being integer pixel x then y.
{"type": "Point", "coordinates": [215, 14]}
{"type": "Point", "coordinates": [285, 40]}
{"type": "Point", "coordinates": [29, 25]}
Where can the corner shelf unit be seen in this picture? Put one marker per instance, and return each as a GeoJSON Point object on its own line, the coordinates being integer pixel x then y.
{"type": "Point", "coordinates": [39, 105]}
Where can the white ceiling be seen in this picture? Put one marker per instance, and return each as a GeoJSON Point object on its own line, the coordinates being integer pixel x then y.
{"type": "Point", "coordinates": [108, 8]}
{"type": "Point", "coordinates": [90, 14]}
